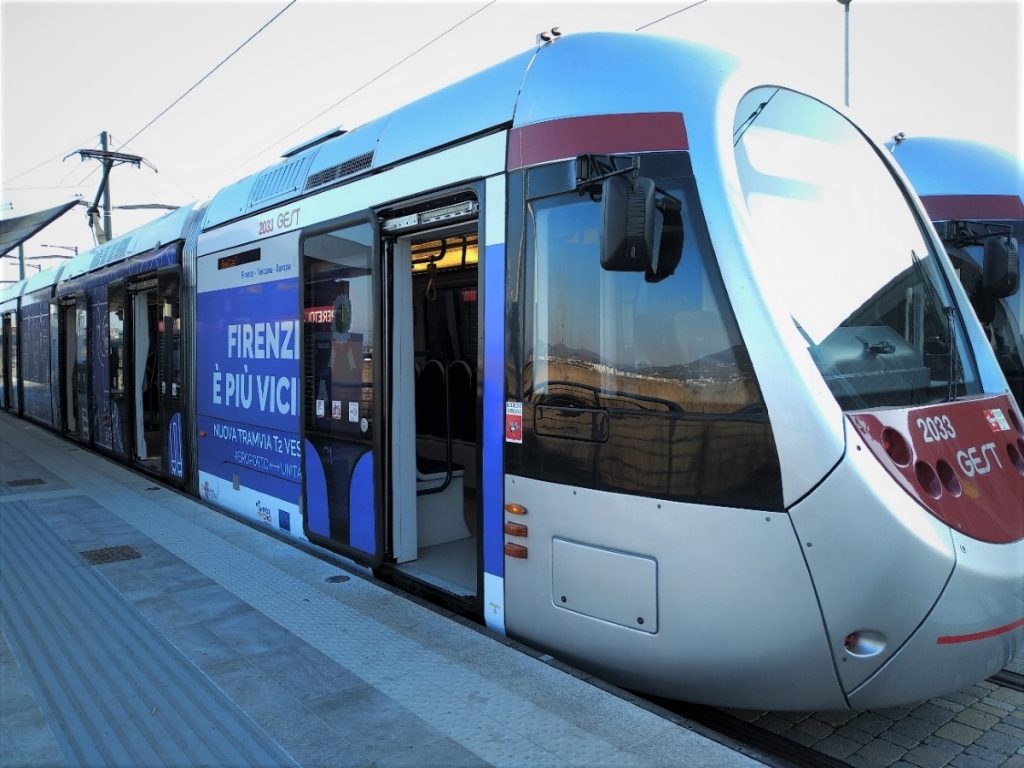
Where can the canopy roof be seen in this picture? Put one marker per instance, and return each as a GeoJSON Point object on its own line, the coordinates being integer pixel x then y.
{"type": "Point", "coordinates": [16, 230]}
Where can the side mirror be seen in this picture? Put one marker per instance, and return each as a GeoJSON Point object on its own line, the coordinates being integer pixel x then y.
{"type": "Point", "coordinates": [627, 223]}
{"type": "Point", "coordinates": [1001, 270]}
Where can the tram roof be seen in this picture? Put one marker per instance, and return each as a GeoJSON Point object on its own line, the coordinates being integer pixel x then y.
{"type": "Point", "coordinates": [585, 74]}
{"type": "Point", "coordinates": [167, 229]}
{"type": "Point", "coordinates": [945, 166]}
{"type": "Point", "coordinates": [11, 292]}
{"type": "Point", "coordinates": [44, 279]}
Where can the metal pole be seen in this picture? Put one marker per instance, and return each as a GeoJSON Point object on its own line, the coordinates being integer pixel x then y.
{"type": "Point", "coordinates": [846, 90]}
{"type": "Point", "coordinates": [21, 262]}
{"type": "Point", "coordinates": [108, 164]}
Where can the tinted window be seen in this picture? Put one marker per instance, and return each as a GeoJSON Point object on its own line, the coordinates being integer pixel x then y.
{"type": "Point", "coordinates": [637, 386]}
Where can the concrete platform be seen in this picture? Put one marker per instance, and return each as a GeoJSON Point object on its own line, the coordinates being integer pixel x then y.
{"type": "Point", "coordinates": [217, 644]}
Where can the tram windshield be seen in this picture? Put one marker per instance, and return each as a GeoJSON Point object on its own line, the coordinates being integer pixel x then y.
{"type": "Point", "coordinates": [860, 278]}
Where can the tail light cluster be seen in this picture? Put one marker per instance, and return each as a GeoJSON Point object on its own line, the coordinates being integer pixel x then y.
{"type": "Point", "coordinates": [941, 477]}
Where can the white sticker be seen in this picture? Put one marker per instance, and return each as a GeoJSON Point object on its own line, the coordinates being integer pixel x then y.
{"type": "Point", "coordinates": [336, 409]}
{"type": "Point", "coordinates": [364, 425]}
{"type": "Point", "coordinates": [319, 409]}
{"type": "Point", "coordinates": [353, 412]}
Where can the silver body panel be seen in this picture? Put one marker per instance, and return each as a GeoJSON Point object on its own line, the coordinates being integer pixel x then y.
{"type": "Point", "coordinates": [738, 623]}
{"type": "Point", "coordinates": [984, 594]}
{"type": "Point", "coordinates": [879, 559]}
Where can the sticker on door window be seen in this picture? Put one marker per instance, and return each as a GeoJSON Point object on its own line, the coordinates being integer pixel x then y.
{"type": "Point", "coordinates": [513, 422]}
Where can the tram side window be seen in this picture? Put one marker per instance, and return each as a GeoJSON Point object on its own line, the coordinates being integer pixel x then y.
{"type": "Point", "coordinates": [116, 340]}
{"type": "Point", "coordinates": [635, 386]}
{"type": "Point", "coordinates": [338, 332]}
{"type": "Point", "coordinates": [606, 339]}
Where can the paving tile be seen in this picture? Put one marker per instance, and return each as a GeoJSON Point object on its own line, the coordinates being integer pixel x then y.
{"type": "Point", "coordinates": [200, 645]}
{"type": "Point", "coordinates": [993, 756]}
{"type": "Point", "coordinates": [1010, 730]}
{"type": "Point", "coordinates": [853, 734]}
{"type": "Point", "coordinates": [374, 724]}
{"type": "Point", "coordinates": [881, 752]}
{"type": "Point", "coordinates": [933, 714]}
{"type": "Point", "coordinates": [964, 760]}
{"type": "Point", "coordinates": [305, 672]}
{"type": "Point", "coordinates": [837, 746]}
{"type": "Point", "coordinates": [959, 733]}
{"type": "Point", "coordinates": [307, 738]}
{"type": "Point", "coordinates": [999, 704]}
{"type": "Point", "coordinates": [443, 753]}
{"type": "Point", "coordinates": [998, 742]}
{"type": "Point", "coordinates": [801, 737]}
{"type": "Point", "coordinates": [870, 722]}
{"type": "Point", "coordinates": [249, 632]}
{"type": "Point", "coordinates": [1017, 761]}
{"type": "Point", "coordinates": [209, 601]}
{"type": "Point", "coordinates": [249, 687]}
{"type": "Point", "coordinates": [774, 724]}
{"type": "Point", "coordinates": [912, 727]}
{"type": "Point", "coordinates": [976, 718]}
{"type": "Point", "coordinates": [162, 612]}
{"type": "Point", "coordinates": [899, 739]}
{"type": "Point", "coordinates": [813, 727]}
{"type": "Point", "coordinates": [928, 757]}
{"type": "Point", "coordinates": [836, 718]}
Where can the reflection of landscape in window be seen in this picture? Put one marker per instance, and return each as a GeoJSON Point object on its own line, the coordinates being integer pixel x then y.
{"type": "Point", "coordinates": [637, 386]}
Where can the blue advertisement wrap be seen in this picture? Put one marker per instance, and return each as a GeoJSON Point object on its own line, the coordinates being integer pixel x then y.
{"type": "Point", "coordinates": [249, 400]}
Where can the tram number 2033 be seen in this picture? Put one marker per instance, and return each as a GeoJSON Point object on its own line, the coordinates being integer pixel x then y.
{"type": "Point", "coordinates": [934, 429]}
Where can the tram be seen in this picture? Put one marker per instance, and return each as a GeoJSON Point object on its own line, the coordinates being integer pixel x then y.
{"type": "Point", "coordinates": [620, 346]}
{"type": "Point", "coordinates": [974, 195]}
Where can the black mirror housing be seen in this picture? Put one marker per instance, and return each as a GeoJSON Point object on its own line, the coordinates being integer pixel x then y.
{"type": "Point", "coordinates": [1001, 270]}
{"type": "Point", "coordinates": [627, 223]}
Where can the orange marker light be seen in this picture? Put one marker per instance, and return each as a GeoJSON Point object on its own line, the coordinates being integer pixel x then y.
{"type": "Point", "coordinates": [515, 550]}
{"type": "Point", "coordinates": [515, 529]}
{"type": "Point", "coordinates": [515, 509]}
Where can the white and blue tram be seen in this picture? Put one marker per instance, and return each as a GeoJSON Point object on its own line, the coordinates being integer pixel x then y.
{"type": "Point", "coordinates": [619, 346]}
{"type": "Point", "coordinates": [974, 194]}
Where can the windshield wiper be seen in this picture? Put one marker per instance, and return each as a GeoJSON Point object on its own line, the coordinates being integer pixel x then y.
{"type": "Point", "coordinates": [738, 133]}
{"type": "Point", "coordinates": [932, 299]}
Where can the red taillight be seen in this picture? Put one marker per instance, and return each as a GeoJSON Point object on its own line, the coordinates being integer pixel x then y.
{"type": "Point", "coordinates": [928, 479]}
{"type": "Point", "coordinates": [895, 446]}
{"type": "Point", "coordinates": [948, 478]}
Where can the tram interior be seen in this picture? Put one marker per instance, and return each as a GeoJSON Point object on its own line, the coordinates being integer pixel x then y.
{"type": "Point", "coordinates": [445, 344]}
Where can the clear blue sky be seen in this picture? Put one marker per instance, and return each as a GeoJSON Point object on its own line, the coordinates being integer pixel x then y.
{"type": "Point", "coordinates": [73, 69]}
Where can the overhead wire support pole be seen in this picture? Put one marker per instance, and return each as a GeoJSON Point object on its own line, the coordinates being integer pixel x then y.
{"type": "Point", "coordinates": [105, 185]}
{"type": "Point", "coordinates": [846, 51]}
{"type": "Point", "coordinates": [108, 160]}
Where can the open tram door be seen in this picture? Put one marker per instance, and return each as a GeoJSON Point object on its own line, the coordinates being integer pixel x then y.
{"type": "Point", "coordinates": [154, 368]}
{"type": "Point", "coordinates": [431, 252]}
{"type": "Point", "coordinates": [73, 365]}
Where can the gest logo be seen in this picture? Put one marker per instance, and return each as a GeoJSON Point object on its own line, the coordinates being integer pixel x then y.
{"type": "Point", "coordinates": [977, 461]}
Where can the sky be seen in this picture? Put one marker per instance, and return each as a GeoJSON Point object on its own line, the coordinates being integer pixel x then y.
{"type": "Point", "coordinates": [73, 69]}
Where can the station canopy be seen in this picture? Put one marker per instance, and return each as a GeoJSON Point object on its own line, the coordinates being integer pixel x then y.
{"type": "Point", "coordinates": [17, 229]}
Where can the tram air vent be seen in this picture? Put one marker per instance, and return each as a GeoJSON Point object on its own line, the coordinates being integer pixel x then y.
{"type": "Point", "coordinates": [341, 170]}
{"type": "Point", "coordinates": [283, 180]}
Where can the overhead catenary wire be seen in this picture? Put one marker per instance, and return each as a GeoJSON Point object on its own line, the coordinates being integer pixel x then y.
{"type": "Point", "coordinates": [58, 156]}
{"type": "Point", "coordinates": [200, 81]}
{"type": "Point", "coordinates": [669, 15]}
{"type": "Point", "coordinates": [369, 82]}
